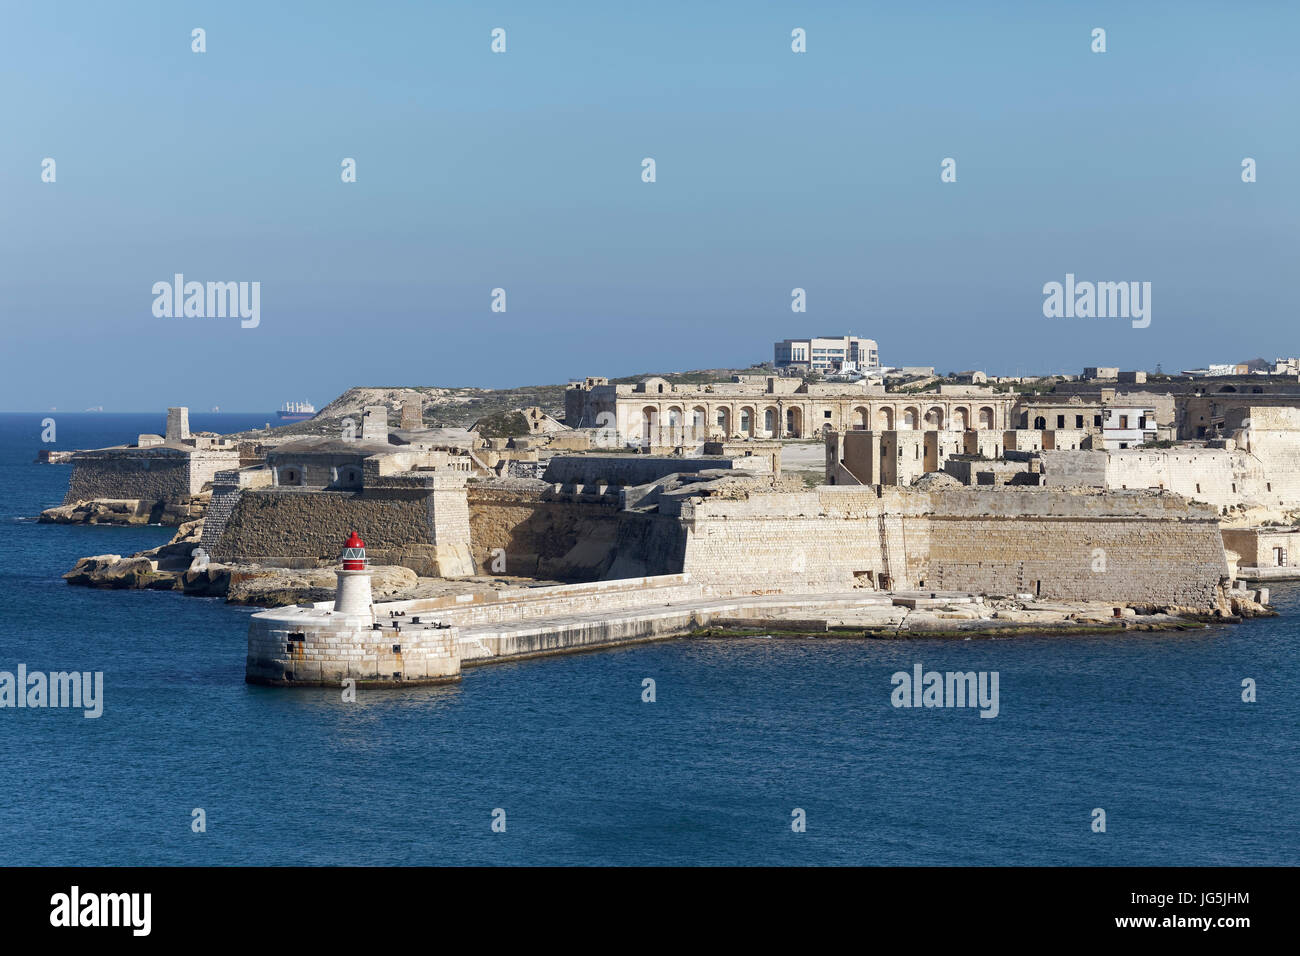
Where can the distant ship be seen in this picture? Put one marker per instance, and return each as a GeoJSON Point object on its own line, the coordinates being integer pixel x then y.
{"type": "Point", "coordinates": [296, 411]}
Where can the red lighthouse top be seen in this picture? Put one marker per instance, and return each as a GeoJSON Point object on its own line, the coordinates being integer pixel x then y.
{"type": "Point", "coordinates": [354, 553]}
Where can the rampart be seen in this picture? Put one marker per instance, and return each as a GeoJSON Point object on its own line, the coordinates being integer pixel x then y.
{"type": "Point", "coordinates": [156, 473]}
{"type": "Point", "coordinates": [1064, 545]}
{"type": "Point", "coordinates": [419, 522]}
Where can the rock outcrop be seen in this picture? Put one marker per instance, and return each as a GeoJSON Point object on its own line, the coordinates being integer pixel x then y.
{"type": "Point", "coordinates": [127, 511]}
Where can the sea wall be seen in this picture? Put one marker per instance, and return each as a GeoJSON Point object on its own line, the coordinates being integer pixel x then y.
{"type": "Point", "coordinates": [302, 647]}
{"type": "Point", "coordinates": [1135, 547]}
{"type": "Point", "coordinates": [421, 523]}
{"type": "Point", "coordinates": [1066, 545]}
{"type": "Point", "coordinates": [159, 473]}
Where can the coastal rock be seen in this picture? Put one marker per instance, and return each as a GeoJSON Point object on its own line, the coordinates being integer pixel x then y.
{"type": "Point", "coordinates": [112, 571]}
{"type": "Point", "coordinates": [1245, 606]}
{"type": "Point", "coordinates": [211, 581]}
{"type": "Point", "coordinates": [1028, 617]}
{"type": "Point", "coordinates": [126, 511]}
{"type": "Point", "coordinates": [277, 587]}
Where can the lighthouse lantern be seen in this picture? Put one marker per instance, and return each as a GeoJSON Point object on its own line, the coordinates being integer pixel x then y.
{"type": "Point", "coordinates": [354, 553]}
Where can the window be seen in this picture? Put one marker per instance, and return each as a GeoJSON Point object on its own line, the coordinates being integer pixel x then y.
{"type": "Point", "coordinates": [1096, 421]}
{"type": "Point", "coordinates": [1123, 421]}
{"type": "Point", "coordinates": [1279, 557]}
{"type": "Point", "coordinates": [826, 414]}
{"type": "Point", "coordinates": [1060, 421]}
{"type": "Point", "coordinates": [1078, 421]}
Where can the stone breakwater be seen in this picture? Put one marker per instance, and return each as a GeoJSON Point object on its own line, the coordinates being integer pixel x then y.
{"type": "Point", "coordinates": [431, 640]}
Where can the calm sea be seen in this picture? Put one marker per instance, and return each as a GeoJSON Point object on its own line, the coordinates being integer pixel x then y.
{"type": "Point", "coordinates": [1150, 728]}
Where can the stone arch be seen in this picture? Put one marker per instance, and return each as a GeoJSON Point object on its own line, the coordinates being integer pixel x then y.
{"type": "Point", "coordinates": [649, 423]}
{"type": "Point", "coordinates": [745, 420]}
{"type": "Point", "coordinates": [1227, 388]}
{"type": "Point", "coordinates": [290, 475]}
{"type": "Point", "coordinates": [934, 418]}
{"type": "Point", "coordinates": [347, 476]}
{"type": "Point", "coordinates": [723, 420]}
{"type": "Point", "coordinates": [885, 419]}
{"type": "Point", "coordinates": [676, 424]}
{"type": "Point", "coordinates": [1040, 422]}
{"type": "Point", "coordinates": [911, 417]}
{"type": "Point", "coordinates": [794, 421]}
{"type": "Point", "coordinates": [861, 417]}
{"type": "Point", "coordinates": [961, 418]}
{"type": "Point", "coordinates": [771, 421]}
{"type": "Point", "coordinates": [699, 421]}
{"type": "Point", "coordinates": [986, 418]}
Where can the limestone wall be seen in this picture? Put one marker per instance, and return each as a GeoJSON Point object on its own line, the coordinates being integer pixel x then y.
{"type": "Point", "coordinates": [300, 647]}
{"type": "Point", "coordinates": [1094, 547]}
{"type": "Point", "coordinates": [1147, 548]}
{"type": "Point", "coordinates": [397, 520]}
{"type": "Point", "coordinates": [640, 469]}
{"type": "Point", "coordinates": [1071, 469]}
{"type": "Point", "coordinates": [545, 534]}
{"type": "Point", "coordinates": [157, 473]}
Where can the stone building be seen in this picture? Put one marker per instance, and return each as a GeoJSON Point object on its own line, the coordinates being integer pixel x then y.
{"type": "Point", "coordinates": [171, 468]}
{"type": "Point", "coordinates": [1256, 465]}
{"type": "Point", "coordinates": [902, 457]}
{"type": "Point", "coordinates": [1266, 553]}
{"type": "Point", "coordinates": [659, 414]}
{"type": "Point", "coordinates": [827, 353]}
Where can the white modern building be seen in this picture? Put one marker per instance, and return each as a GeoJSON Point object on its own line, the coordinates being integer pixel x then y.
{"type": "Point", "coordinates": [827, 353]}
{"type": "Point", "coordinates": [1127, 427]}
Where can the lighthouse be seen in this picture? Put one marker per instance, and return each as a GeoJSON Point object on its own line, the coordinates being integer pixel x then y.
{"type": "Point", "coordinates": [353, 596]}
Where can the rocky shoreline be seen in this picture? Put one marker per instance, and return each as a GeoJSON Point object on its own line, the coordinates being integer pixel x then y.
{"type": "Point", "coordinates": [128, 511]}
{"type": "Point", "coordinates": [172, 567]}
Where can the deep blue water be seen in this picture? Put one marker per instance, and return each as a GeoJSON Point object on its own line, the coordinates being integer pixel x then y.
{"type": "Point", "coordinates": [1149, 727]}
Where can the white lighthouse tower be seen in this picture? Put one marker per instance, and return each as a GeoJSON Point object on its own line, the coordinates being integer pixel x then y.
{"type": "Point", "coordinates": [353, 596]}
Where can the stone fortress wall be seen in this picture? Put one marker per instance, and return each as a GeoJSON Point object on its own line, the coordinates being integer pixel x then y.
{"type": "Point", "coordinates": [159, 473]}
{"type": "Point", "coordinates": [420, 522]}
{"type": "Point", "coordinates": [1065, 545]}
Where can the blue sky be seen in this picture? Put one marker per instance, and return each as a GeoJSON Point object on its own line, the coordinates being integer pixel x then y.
{"type": "Point", "coordinates": [522, 171]}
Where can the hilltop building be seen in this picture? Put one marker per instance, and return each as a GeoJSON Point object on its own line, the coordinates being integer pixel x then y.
{"type": "Point", "coordinates": [656, 413]}
{"type": "Point", "coordinates": [827, 353]}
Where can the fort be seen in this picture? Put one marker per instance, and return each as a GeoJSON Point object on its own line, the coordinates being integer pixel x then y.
{"type": "Point", "coordinates": [657, 508]}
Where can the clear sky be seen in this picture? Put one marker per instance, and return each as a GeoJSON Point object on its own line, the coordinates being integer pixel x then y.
{"type": "Point", "coordinates": [522, 171]}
